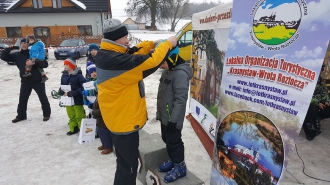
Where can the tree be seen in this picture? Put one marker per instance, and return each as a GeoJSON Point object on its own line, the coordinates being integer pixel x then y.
{"type": "Point", "coordinates": [178, 10]}
{"type": "Point", "coordinates": [145, 10]}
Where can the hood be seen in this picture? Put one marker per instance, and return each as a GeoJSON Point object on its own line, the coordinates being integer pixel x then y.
{"type": "Point", "coordinates": [185, 67]}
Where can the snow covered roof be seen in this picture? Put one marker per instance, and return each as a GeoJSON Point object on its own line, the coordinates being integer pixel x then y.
{"type": "Point", "coordinates": [79, 6]}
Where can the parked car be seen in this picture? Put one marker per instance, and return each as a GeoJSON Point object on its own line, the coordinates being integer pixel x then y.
{"type": "Point", "coordinates": [18, 43]}
{"type": "Point", "coordinates": [3, 46]}
{"type": "Point", "coordinates": [74, 48]}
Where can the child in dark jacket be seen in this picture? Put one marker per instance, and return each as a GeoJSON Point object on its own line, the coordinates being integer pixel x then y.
{"type": "Point", "coordinates": [73, 76]}
{"type": "Point", "coordinates": [102, 130]}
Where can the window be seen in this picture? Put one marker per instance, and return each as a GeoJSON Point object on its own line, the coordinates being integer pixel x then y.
{"type": "Point", "coordinates": [85, 30]}
{"type": "Point", "coordinates": [37, 3]}
{"type": "Point", "coordinates": [186, 39]}
{"type": "Point", "coordinates": [41, 32]}
{"type": "Point", "coordinates": [57, 3]}
{"type": "Point", "coordinates": [14, 32]}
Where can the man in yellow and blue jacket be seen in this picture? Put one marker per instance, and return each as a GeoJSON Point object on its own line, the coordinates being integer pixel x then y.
{"type": "Point", "coordinates": [120, 70]}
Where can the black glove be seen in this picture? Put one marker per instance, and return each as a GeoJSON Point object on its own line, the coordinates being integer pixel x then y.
{"type": "Point", "coordinates": [171, 126]}
{"type": "Point", "coordinates": [69, 94]}
{"type": "Point", "coordinates": [61, 92]}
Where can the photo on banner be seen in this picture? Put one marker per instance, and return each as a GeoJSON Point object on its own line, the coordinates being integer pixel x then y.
{"type": "Point", "coordinates": [270, 69]}
{"type": "Point", "coordinates": [210, 36]}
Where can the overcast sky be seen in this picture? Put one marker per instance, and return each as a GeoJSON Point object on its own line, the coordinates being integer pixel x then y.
{"type": "Point", "coordinates": [121, 4]}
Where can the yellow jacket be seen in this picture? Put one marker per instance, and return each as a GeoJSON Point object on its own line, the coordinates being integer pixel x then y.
{"type": "Point", "coordinates": [120, 72]}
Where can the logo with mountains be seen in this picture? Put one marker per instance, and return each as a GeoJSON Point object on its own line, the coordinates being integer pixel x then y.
{"type": "Point", "coordinates": [276, 23]}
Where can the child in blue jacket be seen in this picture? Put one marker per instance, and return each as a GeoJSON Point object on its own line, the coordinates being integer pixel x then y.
{"type": "Point", "coordinates": [37, 54]}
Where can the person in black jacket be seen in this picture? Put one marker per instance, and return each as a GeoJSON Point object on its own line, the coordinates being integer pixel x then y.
{"type": "Point", "coordinates": [20, 58]}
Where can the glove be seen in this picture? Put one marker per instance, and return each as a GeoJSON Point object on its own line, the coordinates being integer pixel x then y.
{"type": "Point", "coordinates": [61, 92]}
{"type": "Point", "coordinates": [171, 126]}
{"type": "Point", "coordinates": [90, 105]}
{"type": "Point", "coordinates": [85, 101]}
{"type": "Point", "coordinates": [85, 93]}
{"type": "Point", "coordinates": [88, 92]}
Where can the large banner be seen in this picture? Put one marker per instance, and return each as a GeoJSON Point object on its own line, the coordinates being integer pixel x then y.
{"type": "Point", "coordinates": [274, 56]}
{"type": "Point", "coordinates": [210, 36]}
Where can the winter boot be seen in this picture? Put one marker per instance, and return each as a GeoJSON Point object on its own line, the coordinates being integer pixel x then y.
{"type": "Point", "coordinates": [179, 171]}
{"type": "Point", "coordinates": [310, 133]}
{"type": "Point", "coordinates": [166, 166]}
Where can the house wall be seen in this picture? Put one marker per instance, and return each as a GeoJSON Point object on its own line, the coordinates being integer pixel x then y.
{"type": "Point", "coordinates": [52, 19]}
{"type": "Point", "coordinates": [46, 3]}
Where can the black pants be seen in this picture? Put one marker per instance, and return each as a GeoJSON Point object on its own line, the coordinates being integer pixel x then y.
{"type": "Point", "coordinates": [127, 151]}
{"type": "Point", "coordinates": [25, 92]}
{"type": "Point", "coordinates": [174, 144]}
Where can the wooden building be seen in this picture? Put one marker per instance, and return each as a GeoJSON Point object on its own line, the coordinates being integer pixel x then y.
{"type": "Point", "coordinates": [53, 20]}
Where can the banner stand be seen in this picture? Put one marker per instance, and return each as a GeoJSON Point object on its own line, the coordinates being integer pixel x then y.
{"type": "Point", "coordinates": [203, 137]}
{"type": "Point", "coordinates": [293, 176]}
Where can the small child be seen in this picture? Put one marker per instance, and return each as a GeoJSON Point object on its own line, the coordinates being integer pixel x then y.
{"type": "Point", "coordinates": [102, 130]}
{"type": "Point", "coordinates": [73, 76]}
{"type": "Point", "coordinates": [93, 49]}
{"type": "Point", "coordinates": [37, 54]}
{"type": "Point", "coordinates": [91, 71]}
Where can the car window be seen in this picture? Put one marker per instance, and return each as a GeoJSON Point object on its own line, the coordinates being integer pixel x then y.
{"type": "Point", "coordinates": [80, 43]}
{"type": "Point", "coordinates": [69, 43]}
{"type": "Point", "coordinates": [83, 42]}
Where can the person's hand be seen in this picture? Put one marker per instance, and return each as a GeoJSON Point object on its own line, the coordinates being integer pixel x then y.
{"type": "Point", "coordinates": [173, 40]}
{"type": "Point", "coordinates": [29, 62]}
{"type": "Point", "coordinates": [327, 104]}
{"type": "Point", "coordinates": [61, 92]}
{"type": "Point", "coordinates": [90, 105]}
{"type": "Point", "coordinates": [85, 92]}
{"type": "Point", "coordinates": [171, 126]}
{"type": "Point", "coordinates": [69, 94]}
{"type": "Point", "coordinates": [321, 105]}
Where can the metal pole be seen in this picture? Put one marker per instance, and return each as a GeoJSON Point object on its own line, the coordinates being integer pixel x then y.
{"type": "Point", "coordinates": [294, 177]}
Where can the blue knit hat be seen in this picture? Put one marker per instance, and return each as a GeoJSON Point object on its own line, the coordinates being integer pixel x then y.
{"type": "Point", "coordinates": [93, 46]}
{"type": "Point", "coordinates": [90, 67]}
{"type": "Point", "coordinates": [23, 40]}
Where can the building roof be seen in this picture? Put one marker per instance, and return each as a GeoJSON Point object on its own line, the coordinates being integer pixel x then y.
{"type": "Point", "coordinates": [11, 6]}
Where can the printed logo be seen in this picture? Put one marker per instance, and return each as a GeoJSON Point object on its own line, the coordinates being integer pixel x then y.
{"type": "Point", "coordinates": [276, 23]}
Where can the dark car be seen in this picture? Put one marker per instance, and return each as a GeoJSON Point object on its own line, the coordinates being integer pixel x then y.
{"type": "Point", "coordinates": [73, 48]}
{"type": "Point", "coordinates": [3, 46]}
{"type": "Point", "coordinates": [18, 43]}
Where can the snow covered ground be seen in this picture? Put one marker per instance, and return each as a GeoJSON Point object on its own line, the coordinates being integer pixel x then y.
{"type": "Point", "coordinates": [37, 152]}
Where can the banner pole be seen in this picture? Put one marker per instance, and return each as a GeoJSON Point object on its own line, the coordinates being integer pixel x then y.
{"type": "Point", "coordinates": [293, 176]}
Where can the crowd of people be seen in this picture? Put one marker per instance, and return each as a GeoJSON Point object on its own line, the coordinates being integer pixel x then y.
{"type": "Point", "coordinates": [117, 71]}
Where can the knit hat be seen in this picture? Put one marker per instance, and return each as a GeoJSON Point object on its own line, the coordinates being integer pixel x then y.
{"type": "Point", "coordinates": [93, 46]}
{"type": "Point", "coordinates": [23, 40]}
{"type": "Point", "coordinates": [31, 37]}
{"type": "Point", "coordinates": [113, 29]}
{"type": "Point", "coordinates": [90, 67]}
{"type": "Point", "coordinates": [70, 62]}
